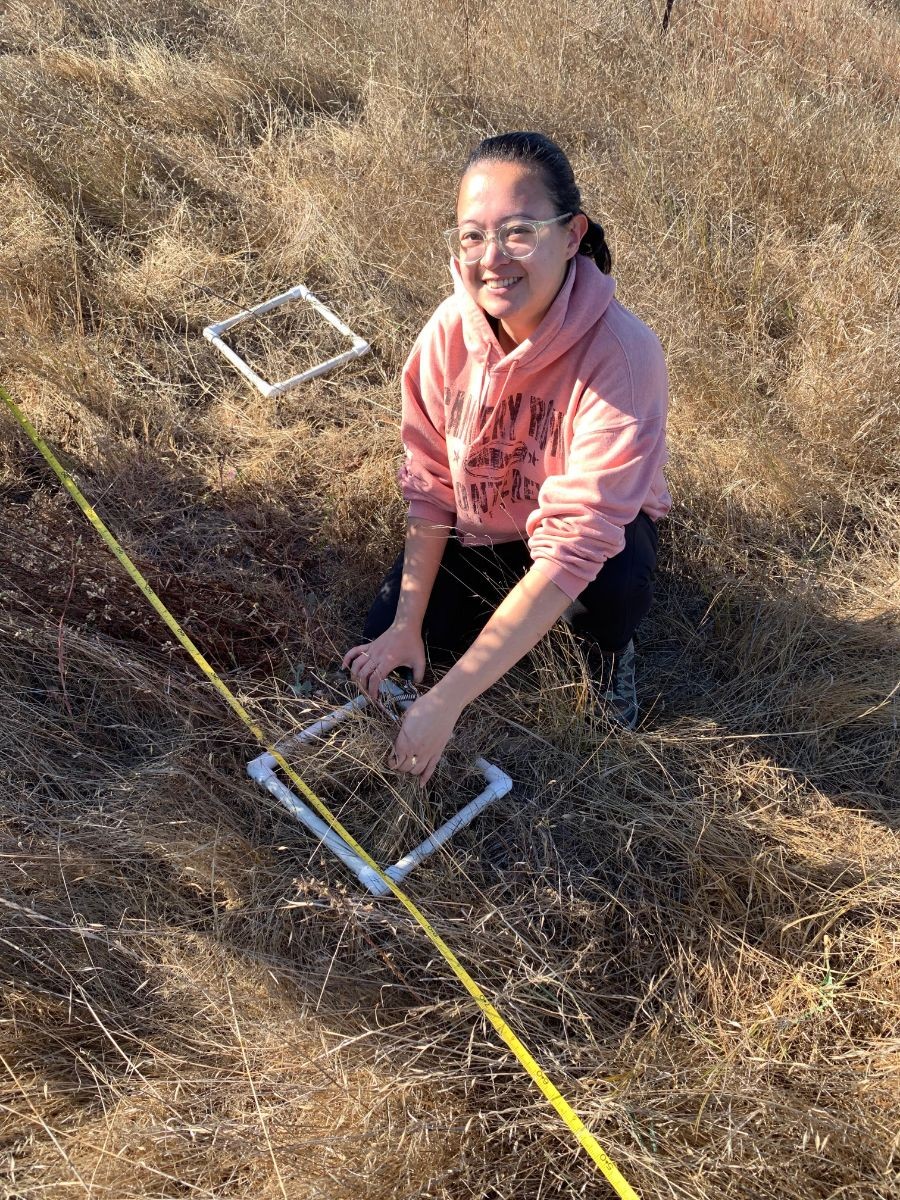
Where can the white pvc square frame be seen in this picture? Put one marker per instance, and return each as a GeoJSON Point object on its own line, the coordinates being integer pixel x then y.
{"type": "Point", "coordinates": [262, 769]}
{"type": "Point", "coordinates": [213, 333]}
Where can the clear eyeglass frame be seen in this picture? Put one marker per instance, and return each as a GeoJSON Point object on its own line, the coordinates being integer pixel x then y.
{"type": "Point", "coordinates": [451, 236]}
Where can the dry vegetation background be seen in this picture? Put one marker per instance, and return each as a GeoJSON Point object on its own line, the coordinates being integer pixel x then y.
{"type": "Point", "coordinates": [695, 927]}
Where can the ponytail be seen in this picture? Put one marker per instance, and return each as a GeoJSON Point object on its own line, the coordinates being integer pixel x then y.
{"type": "Point", "coordinates": [594, 246]}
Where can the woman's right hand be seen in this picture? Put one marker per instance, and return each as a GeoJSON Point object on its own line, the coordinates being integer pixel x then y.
{"type": "Point", "coordinates": [371, 662]}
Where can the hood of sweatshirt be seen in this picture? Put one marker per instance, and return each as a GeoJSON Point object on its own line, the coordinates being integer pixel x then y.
{"type": "Point", "coordinates": [579, 304]}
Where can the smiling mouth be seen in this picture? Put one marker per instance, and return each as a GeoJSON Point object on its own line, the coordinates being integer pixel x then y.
{"type": "Point", "coordinates": [501, 285]}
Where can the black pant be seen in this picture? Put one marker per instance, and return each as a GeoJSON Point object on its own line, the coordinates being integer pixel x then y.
{"type": "Point", "coordinates": [472, 580]}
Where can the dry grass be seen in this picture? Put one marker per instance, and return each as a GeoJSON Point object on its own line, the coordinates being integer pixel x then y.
{"type": "Point", "coordinates": [695, 927]}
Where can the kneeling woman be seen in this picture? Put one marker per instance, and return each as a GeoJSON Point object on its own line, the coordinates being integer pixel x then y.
{"type": "Point", "coordinates": [533, 423]}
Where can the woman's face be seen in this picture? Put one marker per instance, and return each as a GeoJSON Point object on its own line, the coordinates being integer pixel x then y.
{"type": "Point", "coordinates": [516, 291]}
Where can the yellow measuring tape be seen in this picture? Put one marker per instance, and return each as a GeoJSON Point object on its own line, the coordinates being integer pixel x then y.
{"type": "Point", "coordinates": [549, 1090]}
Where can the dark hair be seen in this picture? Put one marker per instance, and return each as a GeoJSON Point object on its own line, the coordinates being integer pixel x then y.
{"type": "Point", "coordinates": [539, 152]}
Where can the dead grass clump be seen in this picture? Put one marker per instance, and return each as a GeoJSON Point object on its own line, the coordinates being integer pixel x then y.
{"type": "Point", "coordinates": [844, 393]}
{"type": "Point", "coordinates": [389, 813]}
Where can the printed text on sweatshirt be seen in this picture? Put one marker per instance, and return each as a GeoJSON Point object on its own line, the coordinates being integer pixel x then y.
{"type": "Point", "coordinates": [560, 442]}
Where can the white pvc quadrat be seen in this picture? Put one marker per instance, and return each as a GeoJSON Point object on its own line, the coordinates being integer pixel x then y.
{"type": "Point", "coordinates": [498, 783]}
{"type": "Point", "coordinates": [213, 333]}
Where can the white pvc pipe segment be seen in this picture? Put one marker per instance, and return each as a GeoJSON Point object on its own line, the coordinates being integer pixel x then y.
{"type": "Point", "coordinates": [236, 361]}
{"type": "Point", "coordinates": [499, 783]}
{"type": "Point", "coordinates": [313, 821]}
{"type": "Point", "coordinates": [276, 389]}
{"type": "Point", "coordinates": [261, 769]}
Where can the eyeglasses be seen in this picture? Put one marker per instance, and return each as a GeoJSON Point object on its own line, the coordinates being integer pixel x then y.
{"type": "Point", "coordinates": [516, 239]}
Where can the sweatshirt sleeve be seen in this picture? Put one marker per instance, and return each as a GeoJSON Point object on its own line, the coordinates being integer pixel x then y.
{"type": "Point", "coordinates": [613, 462]}
{"type": "Point", "coordinates": [424, 477]}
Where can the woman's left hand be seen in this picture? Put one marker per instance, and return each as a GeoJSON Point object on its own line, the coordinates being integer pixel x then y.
{"type": "Point", "coordinates": [424, 733]}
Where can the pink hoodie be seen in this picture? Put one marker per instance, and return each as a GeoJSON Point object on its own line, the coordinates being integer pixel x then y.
{"type": "Point", "coordinates": [561, 441]}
